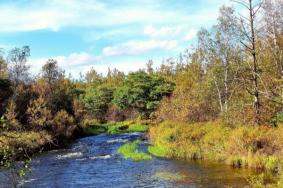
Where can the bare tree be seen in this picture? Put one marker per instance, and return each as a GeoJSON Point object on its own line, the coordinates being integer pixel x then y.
{"type": "Point", "coordinates": [249, 31]}
{"type": "Point", "coordinates": [18, 68]}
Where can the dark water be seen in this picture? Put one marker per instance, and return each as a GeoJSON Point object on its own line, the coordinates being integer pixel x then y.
{"type": "Point", "coordinates": [94, 162]}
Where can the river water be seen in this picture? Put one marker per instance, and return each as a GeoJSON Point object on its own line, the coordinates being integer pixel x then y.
{"type": "Point", "coordinates": [94, 162]}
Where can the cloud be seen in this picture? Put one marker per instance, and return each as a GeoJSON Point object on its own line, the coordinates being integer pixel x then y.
{"type": "Point", "coordinates": [139, 47]}
{"type": "Point", "coordinates": [164, 31]}
{"type": "Point", "coordinates": [77, 63]}
{"type": "Point", "coordinates": [72, 63]}
{"type": "Point", "coordinates": [56, 14]}
{"type": "Point", "coordinates": [191, 34]}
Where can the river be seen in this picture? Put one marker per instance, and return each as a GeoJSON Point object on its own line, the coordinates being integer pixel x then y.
{"type": "Point", "coordinates": [94, 162]}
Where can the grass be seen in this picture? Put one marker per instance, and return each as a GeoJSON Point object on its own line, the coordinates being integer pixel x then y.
{"type": "Point", "coordinates": [259, 148]}
{"type": "Point", "coordinates": [130, 151]}
{"type": "Point", "coordinates": [94, 128]}
{"type": "Point", "coordinates": [125, 127]}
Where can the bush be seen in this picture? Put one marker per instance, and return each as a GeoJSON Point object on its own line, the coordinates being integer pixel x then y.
{"type": "Point", "coordinates": [39, 115]}
{"type": "Point", "coordinates": [11, 117]}
{"type": "Point", "coordinates": [63, 124]}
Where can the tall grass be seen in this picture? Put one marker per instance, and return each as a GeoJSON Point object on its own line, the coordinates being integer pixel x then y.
{"type": "Point", "coordinates": [253, 147]}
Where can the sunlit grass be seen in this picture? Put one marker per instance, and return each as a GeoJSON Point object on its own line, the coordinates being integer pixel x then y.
{"type": "Point", "coordinates": [130, 151]}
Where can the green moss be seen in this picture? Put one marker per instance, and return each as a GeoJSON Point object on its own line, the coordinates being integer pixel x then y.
{"type": "Point", "coordinates": [130, 151]}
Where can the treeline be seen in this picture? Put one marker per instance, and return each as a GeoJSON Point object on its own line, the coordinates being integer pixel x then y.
{"type": "Point", "coordinates": [59, 105]}
{"type": "Point", "coordinates": [233, 73]}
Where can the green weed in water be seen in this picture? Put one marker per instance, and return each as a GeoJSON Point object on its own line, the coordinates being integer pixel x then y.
{"type": "Point", "coordinates": [130, 151]}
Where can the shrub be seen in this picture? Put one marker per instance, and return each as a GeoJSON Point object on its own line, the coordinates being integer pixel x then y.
{"type": "Point", "coordinates": [11, 117]}
{"type": "Point", "coordinates": [38, 114]}
{"type": "Point", "coordinates": [63, 124]}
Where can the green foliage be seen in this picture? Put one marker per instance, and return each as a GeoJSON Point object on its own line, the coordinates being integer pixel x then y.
{"type": "Point", "coordinates": [3, 123]}
{"type": "Point", "coordinates": [142, 92]}
{"type": "Point", "coordinates": [25, 169]}
{"type": "Point", "coordinates": [130, 151]}
{"type": "Point", "coordinates": [97, 101]}
{"type": "Point", "coordinates": [278, 119]}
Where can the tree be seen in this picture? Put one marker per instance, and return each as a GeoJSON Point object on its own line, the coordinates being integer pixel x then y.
{"type": "Point", "coordinates": [5, 93]}
{"type": "Point", "coordinates": [98, 100]}
{"type": "Point", "coordinates": [3, 68]}
{"type": "Point", "coordinates": [249, 31]}
{"type": "Point", "coordinates": [18, 69]}
{"type": "Point", "coordinates": [273, 33]}
{"type": "Point", "coordinates": [11, 116]}
{"type": "Point", "coordinates": [142, 92]}
{"type": "Point", "coordinates": [114, 77]}
{"type": "Point", "coordinates": [93, 77]}
{"type": "Point", "coordinates": [38, 113]}
{"type": "Point", "coordinates": [149, 68]}
{"type": "Point", "coordinates": [51, 72]}
{"type": "Point", "coordinates": [222, 55]}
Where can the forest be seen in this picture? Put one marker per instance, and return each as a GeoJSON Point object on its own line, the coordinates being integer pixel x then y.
{"type": "Point", "coordinates": [220, 100]}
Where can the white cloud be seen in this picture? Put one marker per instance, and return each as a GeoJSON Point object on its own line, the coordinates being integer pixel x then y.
{"type": "Point", "coordinates": [55, 14]}
{"type": "Point", "coordinates": [164, 31]}
{"type": "Point", "coordinates": [191, 34]}
{"type": "Point", "coordinates": [83, 62]}
{"type": "Point", "coordinates": [139, 47]}
{"type": "Point", "coordinates": [72, 63]}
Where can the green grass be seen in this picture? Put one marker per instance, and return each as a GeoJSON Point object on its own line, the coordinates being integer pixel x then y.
{"type": "Point", "coordinates": [130, 151]}
{"type": "Point", "coordinates": [158, 151]}
{"type": "Point", "coordinates": [125, 127]}
{"type": "Point", "coordinates": [114, 128]}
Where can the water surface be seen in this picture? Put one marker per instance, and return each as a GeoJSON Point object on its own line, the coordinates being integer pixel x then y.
{"type": "Point", "coordinates": [94, 162]}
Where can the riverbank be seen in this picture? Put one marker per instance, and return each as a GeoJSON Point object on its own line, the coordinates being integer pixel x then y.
{"type": "Point", "coordinates": [21, 145]}
{"type": "Point", "coordinates": [259, 148]}
{"type": "Point", "coordinates": [94, 161]}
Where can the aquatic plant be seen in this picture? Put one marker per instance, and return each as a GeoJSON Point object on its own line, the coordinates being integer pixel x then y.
{"type": "Point", "coordinates": [130, 151]}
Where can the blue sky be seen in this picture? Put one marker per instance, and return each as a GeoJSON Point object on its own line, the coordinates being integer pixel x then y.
{"type": "Point", "coordinates": [124, 34]}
